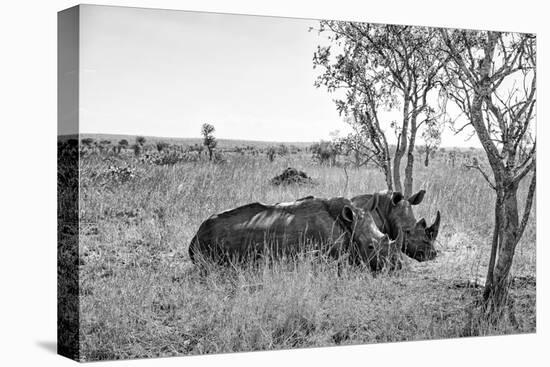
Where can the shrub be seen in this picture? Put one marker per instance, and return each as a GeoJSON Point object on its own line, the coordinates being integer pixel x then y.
{"type": "Point", "coordinates": [161, 145]}
{"type": "Point", "coordinates": [169, 157]}
{"type": "Point", "coordinates": [283, 150]}
{"type": "Point", "coordinates": [271, 152]}
{"type": "Point", "coordinates": [324, 152]}
{"type": "Point", "coordinates": [88, 142]}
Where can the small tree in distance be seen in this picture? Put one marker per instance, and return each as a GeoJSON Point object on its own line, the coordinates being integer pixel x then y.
{"type": "Point", "coordinates": [140, 140]}
{"type": "Point", "coordinates": [209, 141]}
{"type": "Point", "coordinates": [161, 145]}
{"type": "Point", "coordinates": [271, 152]}
{"type": "Point", "coordinates": [104, 144]}
{"type": "Point", "coordinates": [88, 142]}
{"type": "Point", "coordinates": [123, 143]}
{"type": "Point", "coordinates": [138, 146]}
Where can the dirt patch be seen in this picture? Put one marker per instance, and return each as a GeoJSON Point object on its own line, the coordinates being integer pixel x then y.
{"type": "Point", "coordinates": [292, 176]}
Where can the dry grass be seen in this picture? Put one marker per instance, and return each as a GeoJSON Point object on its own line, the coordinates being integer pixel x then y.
{"type": "Point", "coordinates": [141, 296]}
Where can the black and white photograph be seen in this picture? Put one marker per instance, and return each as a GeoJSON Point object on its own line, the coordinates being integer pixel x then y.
{"type": "Point", "coordinates": [274, 183]}
{"type": "Point", "coordinates": [236, 183]}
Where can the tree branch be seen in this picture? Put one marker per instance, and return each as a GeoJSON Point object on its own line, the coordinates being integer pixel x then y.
{"type": "Point", "coordinates": [485, 176]}
{"type": "Point", "coordinates": [531, 166]}
{"type": "Point", "coordinates": [528, 204]}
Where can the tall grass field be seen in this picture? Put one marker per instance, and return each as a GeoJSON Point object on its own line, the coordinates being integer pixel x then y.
{"type": "Point", "coordinates": [140, 295]}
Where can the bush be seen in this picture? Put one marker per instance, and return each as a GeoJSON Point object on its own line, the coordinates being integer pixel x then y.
{"type": "Point", "coordinates": [271, 152]}
{"type": "Point", "coordinates": [219, 158]}
{"type": "Point", "coordinates": [137, 149]}
{"type": "Point", "coordinates": [140, 140]}
{"type": "Point", "coordinates": [169, 157]}
{"type": "Point", "coordinates": [324, 152]}
{"type": "Point", "coordinates": [88, 142]}
{"type": "Point", "coordinates": [161, 145]}
{"type": "Point", "coordinates": [112, 175]}
{"type": "Point", "coordinates": [121, 174]}
{"type": "Point", "coordinates": [283, 150]}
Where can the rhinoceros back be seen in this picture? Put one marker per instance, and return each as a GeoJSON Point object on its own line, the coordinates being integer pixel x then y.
{"type": "Point", "coordinates": [253, 228]}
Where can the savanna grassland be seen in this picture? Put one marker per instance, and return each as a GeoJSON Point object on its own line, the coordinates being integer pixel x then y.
{"type": "Point", "coordinates": [140, 296]}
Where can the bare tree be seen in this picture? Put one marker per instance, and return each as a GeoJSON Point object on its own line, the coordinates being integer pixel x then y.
{"type": "Point", "coordinates": [493, 81]}
{"type": "Point", "coordinates": [383, 66]}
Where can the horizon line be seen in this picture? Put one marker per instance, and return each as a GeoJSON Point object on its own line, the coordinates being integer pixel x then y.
{"type": "Point", "coordinates": [244, 140]}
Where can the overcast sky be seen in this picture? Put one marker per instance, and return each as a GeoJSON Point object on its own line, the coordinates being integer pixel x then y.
{"type": "Point", "coordinates": [165, 73]}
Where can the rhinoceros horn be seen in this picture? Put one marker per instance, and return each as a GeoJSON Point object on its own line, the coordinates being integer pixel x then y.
{"type": "Point", "coordinates": [433, 230]}
{"type": "Point", "coordinates": [398, 242]}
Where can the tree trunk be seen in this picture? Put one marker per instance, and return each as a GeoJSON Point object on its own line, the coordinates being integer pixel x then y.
{"type": "Point", "coordinates": [357, 157]}
{"type": "Point", "coordinates": [386, 164]}
{"type": "Point", "coordinates": [409, 173]}
{"type": "Point", "coordinates": [427, 158]}
{"type": "Point", "coordinates": [401, 147]}
{"type": "Point", "coordinates": [396, 174]}
{"type": "Point", "coordinates": [494, 247]}
{"type": "Point", "coordinates": [496, 286]}
{"type": "Point", "coordinates": [387, 159]}
{"type": "Point", "coordinates": [410, 157]}
{"type": "Point", "coordinates": [387, 174]}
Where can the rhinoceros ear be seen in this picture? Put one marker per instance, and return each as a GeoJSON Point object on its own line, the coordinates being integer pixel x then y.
{"type": "Point", "coordinates": [417, 198]}
{"type": "Point", "coordinates": [347, 213]}
{"type": "Point", "coordinates": [396, 197]}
